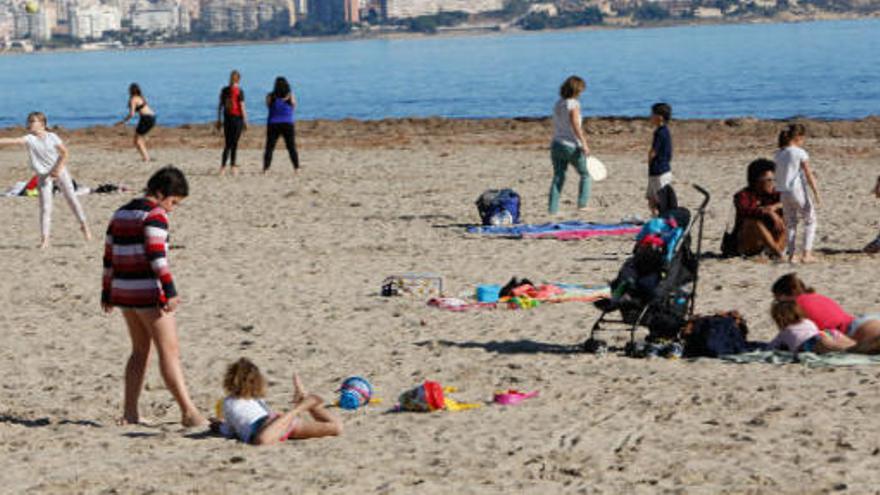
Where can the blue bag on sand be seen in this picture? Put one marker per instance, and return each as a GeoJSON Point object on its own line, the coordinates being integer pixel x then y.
{"type": "Point", "coordinates": [499, 207]}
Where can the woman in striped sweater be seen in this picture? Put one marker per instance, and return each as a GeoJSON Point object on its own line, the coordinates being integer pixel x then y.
{"type": "Point", "coordinates": [137, 280]}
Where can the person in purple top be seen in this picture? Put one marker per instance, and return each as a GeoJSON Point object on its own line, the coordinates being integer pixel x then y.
{"type": "Point", "coordinates": [281, 103]}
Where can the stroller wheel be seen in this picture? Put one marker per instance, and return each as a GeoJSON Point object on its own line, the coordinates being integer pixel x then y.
{"type": "Point", "coordinates": [596, 346]}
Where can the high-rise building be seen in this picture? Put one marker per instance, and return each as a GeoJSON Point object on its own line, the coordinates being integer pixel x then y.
{"type": "Point", "coordinates": [7, 24]}
{"type": "Point", "coordinates": [334, 11]}
{"type": "Point", "coordinates": [37, 25]}
{"type": "Point", "coordinates": [300, 10]}
{"type": "Point", "coordinates": [93, 20]}
{"type": "Point", "coordinates": [237, 16]}
{"type": "Point", "coordinates": [414, 8]}
{"type": "Point", "coordinates": [165, 16]}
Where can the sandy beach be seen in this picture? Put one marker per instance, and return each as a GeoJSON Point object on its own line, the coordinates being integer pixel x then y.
{"type": "Point", "coordinates": [286, 269]}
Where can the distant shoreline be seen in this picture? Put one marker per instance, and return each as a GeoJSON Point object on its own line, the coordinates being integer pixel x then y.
{"type": "Point", "coordinates": [473, 31]}
{"type": "Point", "coordinates": [524, 132]}
{"type": "Point", "coordinates": [417, 121]}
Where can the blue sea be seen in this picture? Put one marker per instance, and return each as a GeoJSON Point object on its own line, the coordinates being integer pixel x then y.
{"type": "Point", "coordinates": [827, 70]}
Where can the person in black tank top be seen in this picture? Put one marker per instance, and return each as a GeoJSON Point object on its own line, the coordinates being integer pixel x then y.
{"type": "Point", "coordinates": [137, 105]}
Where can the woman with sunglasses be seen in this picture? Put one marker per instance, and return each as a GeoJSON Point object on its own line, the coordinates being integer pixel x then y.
{"type": "Point", "coordinates": [759, 226]}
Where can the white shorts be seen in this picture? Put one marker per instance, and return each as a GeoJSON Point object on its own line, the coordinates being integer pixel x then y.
{"type": "Point", "coordinates": [655, 183]}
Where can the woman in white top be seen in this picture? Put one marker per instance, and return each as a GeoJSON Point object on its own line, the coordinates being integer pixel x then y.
{"type": "Point", "coordinates": [48, 159]}
{"type": "Point", "coordinates": [793, 175]}
{"type": "Point", "coordinates": [569, 145]}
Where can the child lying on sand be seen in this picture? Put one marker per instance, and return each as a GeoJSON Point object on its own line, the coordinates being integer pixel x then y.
{"type": "Point", "coordinates": [797, 333]}
{"type": "Point", "coordinates": [248, 418]}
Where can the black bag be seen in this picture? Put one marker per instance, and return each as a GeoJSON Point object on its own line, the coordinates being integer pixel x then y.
{"type": "Point", "coordinates": [714, 336]}
{"type": "Point", "coordinates": [665, 322]}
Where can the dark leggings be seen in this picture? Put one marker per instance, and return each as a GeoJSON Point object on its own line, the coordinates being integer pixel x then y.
{"type": "Point", "coordinates": [273, 132]}
{"type": "Point", "coordinates": [232, 126]}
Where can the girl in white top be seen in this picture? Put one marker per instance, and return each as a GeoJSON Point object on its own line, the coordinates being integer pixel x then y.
{"type": "Point", "coordinates": [569, 145]}
{"type": "Point", "coordinates": [793, 175]}
{"type": "Point", "coordinates": [247, 417]}
{"type": "Point", "coordinates": [797, 333]}
{"type": "Point", "coordinates": [48, 159]}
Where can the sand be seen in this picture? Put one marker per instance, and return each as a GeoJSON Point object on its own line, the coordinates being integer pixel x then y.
{"type": "Point", "coordinates": [286, 270]}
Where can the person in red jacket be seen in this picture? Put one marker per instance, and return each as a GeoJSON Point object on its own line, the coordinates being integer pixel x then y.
{"type": "Point", "coordinates": [759, 225]}
{"type": "Point", "coordinates": [137, 279]}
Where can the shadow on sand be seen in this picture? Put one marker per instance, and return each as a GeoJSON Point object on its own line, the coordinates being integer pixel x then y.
{"type": "Point", "coordinates": [509, 346]}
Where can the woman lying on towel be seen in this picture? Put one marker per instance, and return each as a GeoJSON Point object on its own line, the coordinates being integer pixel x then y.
{"type": "Point", "coordinates": [759, 227]}
{"type": "Point", "coordinates": [829, 318]}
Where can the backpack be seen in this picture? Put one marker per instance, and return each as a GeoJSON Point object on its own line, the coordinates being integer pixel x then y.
{"type": "Point", "coordinates": [499, 206]}
{"type": "Point", "coordinates": [715, 336]}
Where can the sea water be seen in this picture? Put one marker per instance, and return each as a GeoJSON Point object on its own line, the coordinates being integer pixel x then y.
{"type": "Point", "coordinates": [817, 69]}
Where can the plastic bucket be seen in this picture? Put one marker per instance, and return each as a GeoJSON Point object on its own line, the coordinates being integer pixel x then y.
{"type": "Point", "coordinates": [488, 293]}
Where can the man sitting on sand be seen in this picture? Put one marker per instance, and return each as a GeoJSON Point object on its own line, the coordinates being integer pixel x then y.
{"type": "Point", "coordinates": [759, 227]}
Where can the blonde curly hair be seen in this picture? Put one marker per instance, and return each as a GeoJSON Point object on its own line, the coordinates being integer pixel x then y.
{"type": "Point", "coordinates": [244, 380]}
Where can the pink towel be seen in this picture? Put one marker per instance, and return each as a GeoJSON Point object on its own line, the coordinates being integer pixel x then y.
{"type": "Point", "coordinates": [573, 235]}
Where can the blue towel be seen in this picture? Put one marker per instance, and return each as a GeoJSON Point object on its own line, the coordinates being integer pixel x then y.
{"type": "Point", "coordinates": [519, 230]}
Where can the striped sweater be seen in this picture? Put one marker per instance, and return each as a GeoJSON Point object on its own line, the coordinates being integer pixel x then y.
{"type": "Point", "coordinates": [136, 273]}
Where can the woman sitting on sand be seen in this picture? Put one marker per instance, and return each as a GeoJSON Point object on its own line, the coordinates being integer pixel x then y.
{"type": "Point", "coordinates": [759, 227]}
{"type": "Point", "coordinates": [828, 315]}
{"type": "Point", "coordinates": [137, 105]}
{"type": "Point", "coordinates": [247, 417]}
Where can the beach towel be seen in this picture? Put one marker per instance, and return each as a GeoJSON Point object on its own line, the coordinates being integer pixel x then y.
{"type": "Point", "coordinates": [570, 230]}
{"type": "Point", "coordinates": [532, 297]}
{"type": "Point", "coordinates": [808, 359]}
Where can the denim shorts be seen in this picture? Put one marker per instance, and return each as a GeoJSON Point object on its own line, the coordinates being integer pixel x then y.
{"type": "Point", "coordinates": [861, 320]}
{"type": "Point", "coordinates": [810, 344]}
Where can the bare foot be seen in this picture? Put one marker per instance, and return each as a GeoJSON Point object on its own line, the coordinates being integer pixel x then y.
{"type": "Point", "coordinates": [131, 421]}
{"type": "Point", "coordinates": [234, 170]}
{"type": "Point", "coordinates": [299, 392]}
{"type": "Point", "coordinates": [222, 171]}
{"type": "Point", "coordinates": [808, 258]}
{"type": "Point", "coordinates": [193, 419]}
{"type": "Point", "coordinates": [86, 232]}
{"type": "Point", "coordinates": [44, 243]}
{"type": "Point", "coordinates": [587, 209]}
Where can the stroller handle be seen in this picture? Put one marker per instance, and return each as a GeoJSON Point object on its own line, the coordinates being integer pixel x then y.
{"type": "Point", "coordinates": [706, 196]}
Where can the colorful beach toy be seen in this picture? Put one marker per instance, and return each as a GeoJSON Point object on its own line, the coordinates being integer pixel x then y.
{"type": "Point", "coordinates": [355, 392]}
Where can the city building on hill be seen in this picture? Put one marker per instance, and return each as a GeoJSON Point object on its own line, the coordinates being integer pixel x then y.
{"type": "Point", "coordinates": [242, 16]}
{"type": "Point", "coordinates": [161, 17]}
{"type": "Point", "coordinates": [92, 21]}
{"type": "Point", "coordinates": [401, 9]}
{"type": "Point", "coordinates": [36, 26]}
{"type": "Point", "coordinates": [7, 25]}
{"type": "Point", "coordinates": [300, 10]}
{"type": "Point", "coordinates": [331, 12]}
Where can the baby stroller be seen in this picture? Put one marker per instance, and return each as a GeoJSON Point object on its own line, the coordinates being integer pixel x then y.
{"type": "Point", "coordinates": [656, 288]}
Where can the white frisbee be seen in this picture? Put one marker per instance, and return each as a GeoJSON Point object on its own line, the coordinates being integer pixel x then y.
{"type": "Point", "coordinates": [596, 169]}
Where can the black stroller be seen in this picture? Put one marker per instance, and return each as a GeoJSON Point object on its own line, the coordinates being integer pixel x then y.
{"type": "Point", "coordinates": [654, 290]}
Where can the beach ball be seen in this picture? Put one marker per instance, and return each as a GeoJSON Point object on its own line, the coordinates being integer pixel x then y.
{"type": "Point", "coordinates": [32, 7]}
{"type": "Point", "coordinates": [354, 393]}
